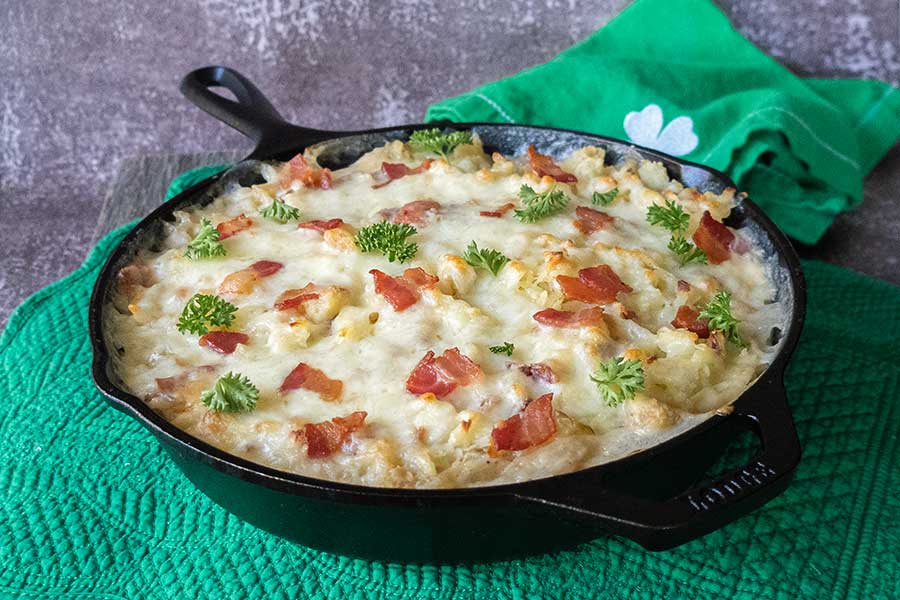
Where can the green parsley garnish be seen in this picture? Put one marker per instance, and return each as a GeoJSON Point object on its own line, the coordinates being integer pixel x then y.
{"type": "Point", "coordinates": [506, 348]}
{"type": "Point", "coordinates": [206, 243]}
{"type": "Point", "coordinates": [671, 216]}
{"type": "Point", "coordinates": [605, 198]}
{"type": "Point", "coordinates": [675, 219]}
{"type": "Point", "coordinates": [432, 140]}
{"type": "Point", "coordinates": [389, 239]}
{"type": "Point", "coordinates": [686, 251]}
{"type": "Point", "coordinates": [618, 379]}
{"type": "Point", "coordinates": [718, 315]}
{"type": "Point", "coordinates": [232, 393]}
{"type": "Point", "coordinates": [279, 211]}
{"type": "Point", "coordinates": [203, 311]}
{"type": "Point", "coordinates": [485, 258]}
{"type": "Point", "coordinates": [538, 206]}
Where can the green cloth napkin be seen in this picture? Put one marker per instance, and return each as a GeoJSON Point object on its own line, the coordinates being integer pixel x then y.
{"type": "Point", "coordinates": [675, 76]}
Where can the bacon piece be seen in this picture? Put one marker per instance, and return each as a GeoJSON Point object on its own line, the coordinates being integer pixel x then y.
{"type": "Point", "coordinates": [543, 165]}
{"type": "Point", "coordinates": [403, 291]}
{"type": "Point", "coordinates": [683, 286]}
{"type": "Point", "coordinates": [230, 227]}
{"type": "Point", "coordinates": [441, 375]}
{"type": "Point", "coordinates": [594, 285]}
{"type": "Point", "coordinates": [688, 318]}
{"type": "Point", "coordinates": [412, 213]}
{"type": "Point", "coordinates": [322, 226]}
{"type": "Point", "coordinates": [223, 342]}
{"type": "Point", "coordinates": [391, 171]}
{"type": "Point", "coordinates": [714, 238]}
{"type": "Point", "coordinates": [587, 317]}
{"type": "Point", "coordinates": [243, 281]}
{"type": "Point", "coordinates": [539, 371]}
{"type": "Point", "coordinates": [265, 268]}
{"type": "Point", "coordinates": [587, 220]}
{"type": "Point", "coordinates": [309, 378]}
{"type": "Point", "coordinates": [531, 427]}
{"type": "Point", "coordinates": [297, 169]}
{"type": "Point", "coordinates": [325, 438]}
{"type": "Point", "coordinates": [499, 212]}
{"type": "Point", "coordinates": [289, 299]}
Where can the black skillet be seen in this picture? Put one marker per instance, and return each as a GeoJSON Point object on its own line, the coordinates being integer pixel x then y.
{"type": "Point", "coordinates": [656, 497]}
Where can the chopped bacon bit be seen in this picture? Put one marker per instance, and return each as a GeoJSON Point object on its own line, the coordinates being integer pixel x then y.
{"type": "Point", "coordinates": [683, 286]}
{"type": "Point", "coordinates": [289, 299]}
{"type": "Point", "coordinates": [297, 169]}
{"type": "Point", "coordinates": [688, 318]}
{"type": "Point", "coordinates": [531, 427]}
{"type": "Point", "coordinates": [322, 226]}
{"type": "Point", "coordinates": [587, 220]}
{"type": "Point", "coordinates": [168, 385]}
{"type": "Point", "coordinates": [265, 268]}
{"type": "Point", "coordinates": [594, 285]}
{"type": "Point", "coordinates": [441, 375]}
{"type": "Point", "coordinates": [499, 212]}
{"type": "Point", "coordinates": [714, 238]}
{"type": "Point", "coordinates": [544, 165]}
{"type": "Point", "coordinates": [312, 379]}
{"type": "Point", "coordinates": [392, 171]}
{"type": "Point", "coordinates": [325, 438]}
{"type": "Point", "coordinates": [243, 281]}
{"type": "Point", "coordinates": [230, 227]}
{"type": "Point", "coordinates": [403, 291]}
{"type": "Point", "coordinates": [411, 213]}
{"type": "Point", "coordinates": [587, 317]}
{"type": "Point", "coordinates": [223, 342]}
{"type": "Point", "coordinates": [539, 371]}
{"type": "Point", "coordinates": [419, 277]}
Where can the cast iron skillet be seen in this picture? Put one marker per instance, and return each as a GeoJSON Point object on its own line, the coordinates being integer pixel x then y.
{"type": "Point", "coordinates": [642, 496]}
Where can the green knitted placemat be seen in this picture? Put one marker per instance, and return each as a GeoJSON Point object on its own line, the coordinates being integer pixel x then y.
{"type": "Point", "coordinates": [91, 507]}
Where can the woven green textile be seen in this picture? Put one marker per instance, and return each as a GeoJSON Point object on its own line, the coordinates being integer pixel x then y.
{"type": "Point", "coordinates": [674, 75]}
{"type": "Point", "coordinates": [90, 504]}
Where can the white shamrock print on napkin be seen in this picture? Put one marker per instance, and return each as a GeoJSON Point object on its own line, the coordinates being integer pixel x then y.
{"type": "Point", "coordinates": [643, 128]}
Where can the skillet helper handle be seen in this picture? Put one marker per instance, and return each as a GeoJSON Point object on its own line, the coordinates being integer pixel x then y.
{"type": "Point", "coordinates": [252, 114]}
{"type": "Point", "coordinates": [659, 525]}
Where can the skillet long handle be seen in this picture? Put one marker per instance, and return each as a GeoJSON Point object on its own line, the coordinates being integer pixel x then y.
{"type": "Point", "coordinates": [659, 525]}
{"type": "Point", "coordinates": [252, 114]}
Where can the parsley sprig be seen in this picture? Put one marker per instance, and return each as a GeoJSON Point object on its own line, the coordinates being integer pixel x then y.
{"type": "Point", "coordinates": [605, 198]}
{"type": "Point", "coordinates": [389, 239]}
{"type": "Point", "coordinates": [280, 211]}
{"type": "Point", "coordinates": [618, 379]}
{"type": "Point", "coordinates": [203, 311]}
{"type": "Point", "coordinates": [718, 315]}
{"type": "Point", "coordinates": [670, 216]}
{"type": "Point", "coordinates": [232, 393]}
{"type": "Point", "coordinates": [442, 144]}
{"type": "Point", "coordinates": [674, 218]}
{"type": "Point", "coordinates": [206, 243]}
{"type": "Point", "coordinates": [505, 348]}
{"type": "Point", "coordinates": [538, 206]}
{"type": "Point", "coordinates": [485, 258]}
{"type": "Point", "coordinates": [686, 251]}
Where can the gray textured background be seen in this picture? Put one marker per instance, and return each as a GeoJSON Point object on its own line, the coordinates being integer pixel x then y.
{"type": "Point", "coordinates": [88, 84]}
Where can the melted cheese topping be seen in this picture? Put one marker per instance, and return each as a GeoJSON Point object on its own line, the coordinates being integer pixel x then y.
{"type": "Point", "coordinates": [356, 337]}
